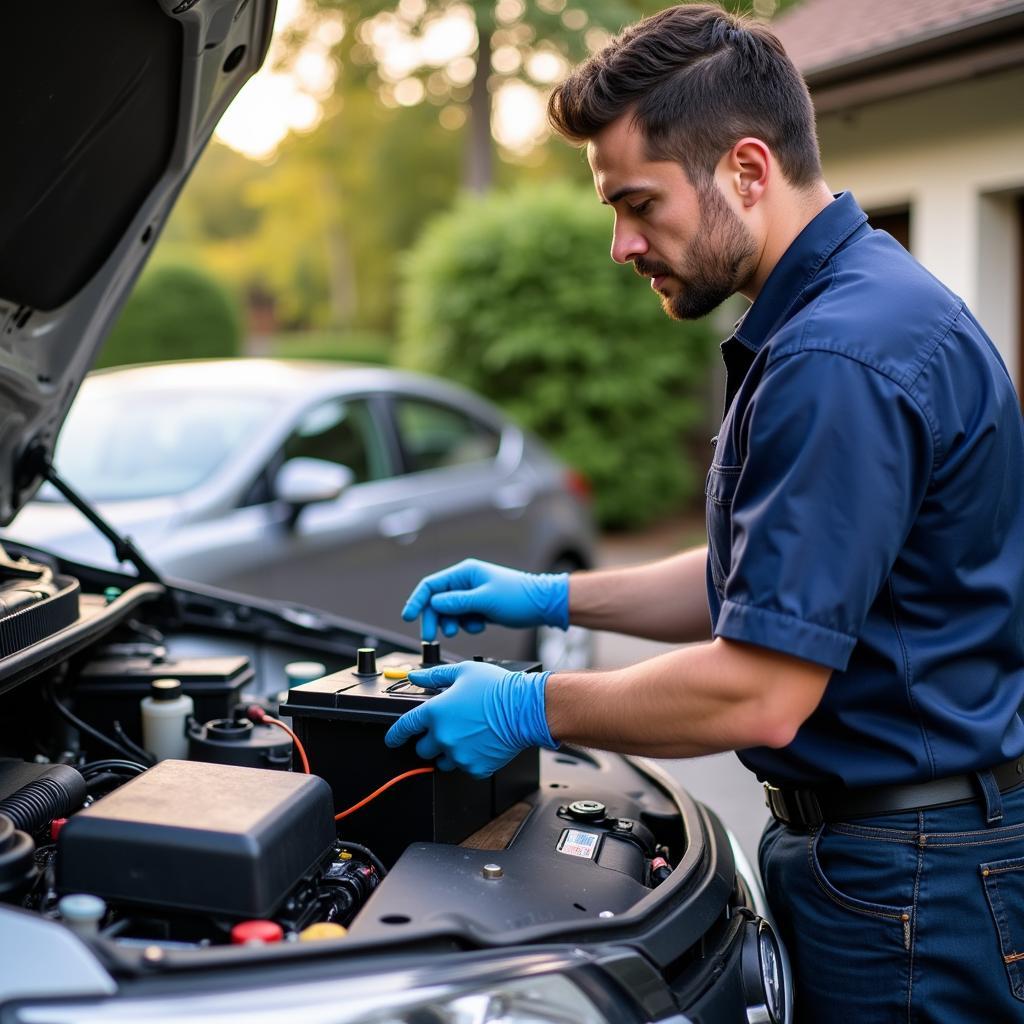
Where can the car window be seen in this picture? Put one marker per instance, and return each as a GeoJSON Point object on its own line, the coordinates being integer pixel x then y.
{"type": "Point", "coordinates": [436, 436]}
{"type": "Point", "coordinates": [343, 432]}
{"type": "Point", "coordinates": [148, 444]}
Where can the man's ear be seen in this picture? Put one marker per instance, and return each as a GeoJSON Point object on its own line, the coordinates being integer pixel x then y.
{"type": "Point", "coordinates": [745, 170]}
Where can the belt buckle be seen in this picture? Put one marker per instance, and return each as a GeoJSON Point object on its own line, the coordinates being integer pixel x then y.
{"type": "Point", "coordinates": [805, 811]}
{"type": "Point", "coordinates": [776, 803]}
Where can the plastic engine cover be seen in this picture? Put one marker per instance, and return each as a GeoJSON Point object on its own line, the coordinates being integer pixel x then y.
{"type": "Point", "coordinates": [556, 869]}
{"type": "Point", "coordinates": [204, 838]}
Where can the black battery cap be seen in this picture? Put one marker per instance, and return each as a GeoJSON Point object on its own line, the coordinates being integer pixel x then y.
{"type": "Point", "coordinates": [366, 662]}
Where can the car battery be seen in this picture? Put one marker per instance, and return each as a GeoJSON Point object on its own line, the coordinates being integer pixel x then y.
{"type": "Point", "coordinates": [111, 689]}
{"type": "Point", "coordinates": [341, 720]}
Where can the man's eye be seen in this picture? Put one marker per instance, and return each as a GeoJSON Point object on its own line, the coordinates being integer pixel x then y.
{"type": "Point", "coordinates": [643, 207]}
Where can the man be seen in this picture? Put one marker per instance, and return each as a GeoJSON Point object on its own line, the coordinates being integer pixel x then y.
{"type": "Point", "coordinates": [861, 597]}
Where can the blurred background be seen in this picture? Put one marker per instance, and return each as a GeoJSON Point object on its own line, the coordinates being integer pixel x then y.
{"type": "Point", "coordinates": [386, 191]}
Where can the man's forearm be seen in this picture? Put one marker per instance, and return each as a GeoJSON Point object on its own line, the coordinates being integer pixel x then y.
{"type": "Point", "coordinates": [698, 700]}
{"type": "Point", "coordinates": [665, 600]}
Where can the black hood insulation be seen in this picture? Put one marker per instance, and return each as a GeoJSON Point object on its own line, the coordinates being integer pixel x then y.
{"type": "Point", "coordinates": [90, 111]}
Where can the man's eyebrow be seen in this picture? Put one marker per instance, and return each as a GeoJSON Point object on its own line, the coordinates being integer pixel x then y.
{"type": "Point", "coordinates": [629, 190]}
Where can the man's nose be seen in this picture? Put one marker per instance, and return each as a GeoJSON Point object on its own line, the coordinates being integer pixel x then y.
{"type": "Point", "coordinates": [627, 243]}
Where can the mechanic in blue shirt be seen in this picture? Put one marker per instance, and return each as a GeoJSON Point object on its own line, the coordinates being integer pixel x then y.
{"type": "Point", "coordinates": [862, 592]}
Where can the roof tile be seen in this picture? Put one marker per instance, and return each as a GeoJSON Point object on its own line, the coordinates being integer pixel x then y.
{"type": "Point", "coordinates": [818, 33]}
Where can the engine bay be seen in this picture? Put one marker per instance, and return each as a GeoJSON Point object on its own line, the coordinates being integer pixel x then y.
{"type": "Point", "coordinates": [184, 771]}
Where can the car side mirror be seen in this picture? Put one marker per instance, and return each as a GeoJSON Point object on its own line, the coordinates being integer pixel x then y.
{"type": "Point", "coordinates": [301, 482]}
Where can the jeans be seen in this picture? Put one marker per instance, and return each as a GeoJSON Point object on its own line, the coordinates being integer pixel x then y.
{"type": "Point", "coordinates": [912, 917]}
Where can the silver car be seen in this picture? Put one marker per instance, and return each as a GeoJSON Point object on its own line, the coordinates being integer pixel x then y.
{"type": "Point", "coordinates": [329, 485]}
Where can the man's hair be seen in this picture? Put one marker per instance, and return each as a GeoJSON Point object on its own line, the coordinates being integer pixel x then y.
{"type": "Point", "coordinates": [696, 80]}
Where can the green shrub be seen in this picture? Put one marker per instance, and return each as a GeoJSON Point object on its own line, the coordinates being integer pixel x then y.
{"type": "Point", "coordinates": [348, 346]}
{"type": "Point", "coordinates": [515, 296]}
{"type": "Point", "coordinates": [175, 312]}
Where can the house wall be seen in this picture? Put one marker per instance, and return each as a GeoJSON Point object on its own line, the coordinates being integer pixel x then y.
{"type": "Point", "coordinates": [955, 155]}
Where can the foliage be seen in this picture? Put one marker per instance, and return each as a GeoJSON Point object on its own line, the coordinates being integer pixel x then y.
{"type": "Point", "coordinates": [390, 171]}
{"type": "Point", "coordinates": [317, 232]}
{"type": "Point", "coordinates": [388, 47]}
{"type": "Point", "coordinates": [175, 312]}
{"type": "Point", "coordinates": [347, 346]}
{"type": "Point", "coordinates": [216, 205]}
{"type": "Point", "coordinates": [514, 295]}
{"type": "Point", "coordinates": [507, 37]}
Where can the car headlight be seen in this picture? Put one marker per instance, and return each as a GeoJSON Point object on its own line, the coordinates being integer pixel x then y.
{"type": "Point", "coordinates": [763, 975]}
{"type": "Point", "coordinates": [386, 999]}
{"type": "Point", "coordinates": [546, 1000]}
{"type": "Point", "coordinates": [766, 971]}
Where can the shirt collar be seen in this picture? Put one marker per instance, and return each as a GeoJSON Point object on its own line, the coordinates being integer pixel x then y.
{"type": "Point", "coordinates": [806, 255]}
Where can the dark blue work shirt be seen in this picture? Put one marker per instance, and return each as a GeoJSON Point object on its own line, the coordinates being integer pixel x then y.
{"type": "Point", "coordinates": [865, 511]}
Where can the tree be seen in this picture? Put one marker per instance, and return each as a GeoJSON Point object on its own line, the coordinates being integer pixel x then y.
{"type": "Point", "coordinates": [397, 46]}
{"type": "Point", "coordinates": [316, 232]}
{"type": "Point", "coordinates": [457, 54]}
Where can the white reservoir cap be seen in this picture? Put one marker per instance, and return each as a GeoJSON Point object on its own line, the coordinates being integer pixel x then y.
{"type": "Point", "coordinates": [82, 908]}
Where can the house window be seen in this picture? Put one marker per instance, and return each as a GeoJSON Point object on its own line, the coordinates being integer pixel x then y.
{"type": "Point", "coordinates": [895, 221]}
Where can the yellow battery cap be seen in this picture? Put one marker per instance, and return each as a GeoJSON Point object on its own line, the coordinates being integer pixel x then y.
{"type": "Point", "coordinates": [344, 855]}
{"type": "Point", "coordinates": [322, 930]}
{"type": "Point", "coordinates": [399, 672]}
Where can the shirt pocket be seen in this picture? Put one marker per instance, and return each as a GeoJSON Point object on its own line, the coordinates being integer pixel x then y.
{"type": "Point", "coordinates": [719, 489]}
{"type": "Point", "coordinates": [1004, 890]}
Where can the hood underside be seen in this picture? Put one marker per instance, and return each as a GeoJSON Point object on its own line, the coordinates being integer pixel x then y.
{"type": "Point", "coordinates": [105, 110]}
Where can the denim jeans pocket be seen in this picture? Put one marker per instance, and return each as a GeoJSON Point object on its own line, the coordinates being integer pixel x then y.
{"type": "Point", "coordinates": [1004, 889]}
{"type": "Point", "coordinates": [847, 866]}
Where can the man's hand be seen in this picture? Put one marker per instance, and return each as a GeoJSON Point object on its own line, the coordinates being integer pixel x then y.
{"type": "Point", "coordinates": [469, 595]}
{"type": "Point", "coordinates": [483, 719]}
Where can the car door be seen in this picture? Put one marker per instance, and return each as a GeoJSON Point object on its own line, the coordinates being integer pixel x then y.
{"type": "Point", "coordinates": [466, 494]}
{"type": "Point", "coordinates": [330, 556]}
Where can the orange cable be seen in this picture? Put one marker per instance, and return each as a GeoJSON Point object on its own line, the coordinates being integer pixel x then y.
{"type": "Point", "coordinates": [377, 792]}
{"type": "Point", "coordinates": [295, 740]}
{"type": "Point", "coordinates": [256, 713]}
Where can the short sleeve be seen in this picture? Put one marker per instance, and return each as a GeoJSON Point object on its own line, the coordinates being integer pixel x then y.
{"type": "Point", "coordinates": [837, 460]}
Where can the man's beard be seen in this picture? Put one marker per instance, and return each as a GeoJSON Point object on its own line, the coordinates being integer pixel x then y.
{"type": "Point", "coordinates": [720, 261]}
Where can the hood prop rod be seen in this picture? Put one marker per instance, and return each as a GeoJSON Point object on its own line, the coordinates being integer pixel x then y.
{"type": "Point", "coordinates": [124, 549]}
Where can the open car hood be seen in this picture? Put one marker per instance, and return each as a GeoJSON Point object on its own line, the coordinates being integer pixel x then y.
{"type": "Point", "coordinates": [105, 111]}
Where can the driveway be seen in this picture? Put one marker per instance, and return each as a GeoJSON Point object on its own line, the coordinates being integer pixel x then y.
{"type": "Point", "coordinates": [719, 781]}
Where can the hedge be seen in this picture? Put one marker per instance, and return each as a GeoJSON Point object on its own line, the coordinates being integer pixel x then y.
{"type": "Point", "coordinates": [175, 312]}
{"type": "Point", "coordinates": [515, 296]}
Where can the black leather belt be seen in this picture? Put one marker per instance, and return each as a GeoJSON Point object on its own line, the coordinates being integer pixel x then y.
{"type": "Point", "coordinates": [809, 808]}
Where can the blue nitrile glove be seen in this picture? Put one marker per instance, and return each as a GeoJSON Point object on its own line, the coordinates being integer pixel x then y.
{"type": "Point", "coordinates": [486, 717]}
{"type": "Point", "coordinates": [473, 593]}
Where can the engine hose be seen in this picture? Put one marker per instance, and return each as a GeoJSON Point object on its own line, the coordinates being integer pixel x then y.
{"type": "Point", "coordinates": [56, 794]}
